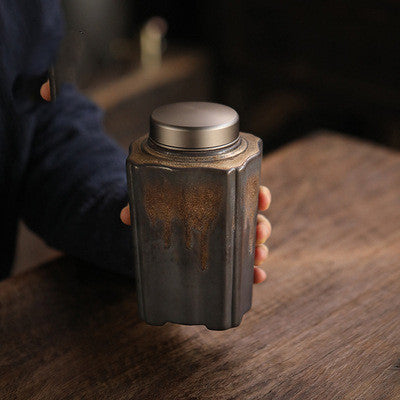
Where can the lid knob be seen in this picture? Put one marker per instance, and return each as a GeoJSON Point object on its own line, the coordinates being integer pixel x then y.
{"type": "Point", "coordinates": [194, 126]}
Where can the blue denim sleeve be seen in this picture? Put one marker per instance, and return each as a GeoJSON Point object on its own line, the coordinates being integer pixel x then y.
{"type": "Point", "coordinates": [75, 184]}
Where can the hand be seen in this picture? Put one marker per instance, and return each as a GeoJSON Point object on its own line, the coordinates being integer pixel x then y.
{"type": "Point", "coordinates": [263, 232]}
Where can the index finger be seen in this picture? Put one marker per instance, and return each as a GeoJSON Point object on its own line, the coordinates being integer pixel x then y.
{"type": "Point", "coordinates": [264, 198]}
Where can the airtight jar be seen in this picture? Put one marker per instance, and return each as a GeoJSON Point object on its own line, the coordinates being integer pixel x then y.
{"type": "Point", "coordinates": [193, 184]}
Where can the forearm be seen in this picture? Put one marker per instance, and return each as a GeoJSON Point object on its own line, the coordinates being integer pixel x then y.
{"type": "Point", "coordinates": [75, 184]}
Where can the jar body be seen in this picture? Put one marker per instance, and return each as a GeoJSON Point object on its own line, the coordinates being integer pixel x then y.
{"type": "Point", "coordinates": [194, 228]}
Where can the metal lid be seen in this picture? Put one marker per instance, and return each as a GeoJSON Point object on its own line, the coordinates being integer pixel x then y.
{"type": "Point", "coordinates": [194, 126]}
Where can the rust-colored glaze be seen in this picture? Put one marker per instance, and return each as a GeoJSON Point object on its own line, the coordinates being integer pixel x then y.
{"type": "Point", "coordinates": [194, 207]}
{"type": "Point", "coordinates": [157, 203]}
{"type": "Point", "coordinates": [142, 154]}
{"type": "Point", "coordinates": [250, 207]}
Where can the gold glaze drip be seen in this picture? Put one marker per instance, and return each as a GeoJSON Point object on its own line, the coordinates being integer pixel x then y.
{"type": "Point", "coordinates": [194, 206]}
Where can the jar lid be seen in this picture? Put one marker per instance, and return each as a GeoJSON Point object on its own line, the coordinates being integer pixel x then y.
{"type": "Point", "coordinates": [194, 126]}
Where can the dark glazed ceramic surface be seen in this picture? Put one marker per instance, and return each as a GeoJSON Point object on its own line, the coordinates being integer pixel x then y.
{"type": "Point", "coordinates": [194, 220]}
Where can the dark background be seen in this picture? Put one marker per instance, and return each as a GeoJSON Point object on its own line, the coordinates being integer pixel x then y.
{"type": "Point", "coordinates": [287, 67]}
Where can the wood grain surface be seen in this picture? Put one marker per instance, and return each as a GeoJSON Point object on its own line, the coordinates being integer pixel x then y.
{"type": "Point", "coordinates": [325, 325]}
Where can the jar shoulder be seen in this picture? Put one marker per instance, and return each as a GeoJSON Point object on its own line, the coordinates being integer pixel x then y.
{"type": "Point", "coordinates": [250, 147]}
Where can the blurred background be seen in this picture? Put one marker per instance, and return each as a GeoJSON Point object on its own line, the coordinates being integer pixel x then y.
{"type": "Point", "coordinates": [288, 68]}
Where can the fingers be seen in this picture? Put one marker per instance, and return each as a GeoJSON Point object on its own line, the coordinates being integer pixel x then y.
{"type": "Point", "coordinates": [264, 198]}
{"type": "Point", "coordinates": [261, 254]}
{"type": "Point", "coordinates": [263, 231]}
{"type": "Point", "coordinates": [125, 215]}
{"type": "Point", "coordinates": [45, 91]}
{"type": "Point", "coordinates": [259, 275]}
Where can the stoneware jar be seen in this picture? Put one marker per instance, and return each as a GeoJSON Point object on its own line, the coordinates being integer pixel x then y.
{"type": "Point", "coordinates": [193, 185]}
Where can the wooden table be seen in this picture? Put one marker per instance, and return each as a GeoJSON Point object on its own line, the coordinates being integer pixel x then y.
{"type": "Point", "coordinates": [326, 324]}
